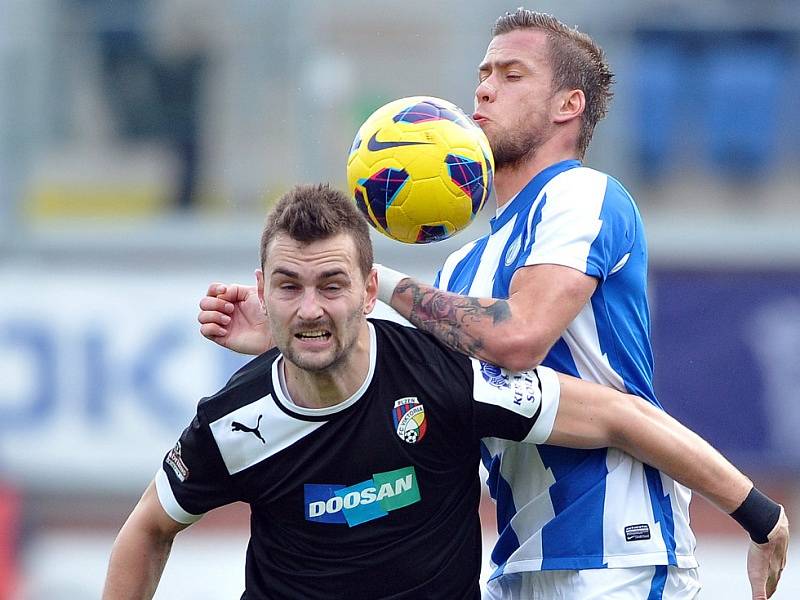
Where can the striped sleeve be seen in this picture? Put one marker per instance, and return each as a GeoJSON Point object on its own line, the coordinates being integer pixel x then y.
{"type": "Point", "coordinates": [585, 221]}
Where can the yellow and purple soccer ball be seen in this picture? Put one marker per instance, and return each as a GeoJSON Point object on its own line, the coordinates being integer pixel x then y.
{"type": "Point", "coordinates": [420, 170]}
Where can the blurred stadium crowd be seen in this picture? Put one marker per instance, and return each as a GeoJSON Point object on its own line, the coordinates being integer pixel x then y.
{"type": "Point", "coordinates": [142, 140]}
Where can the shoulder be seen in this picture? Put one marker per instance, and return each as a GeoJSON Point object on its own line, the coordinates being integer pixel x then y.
{"type": "Point", "coordinates": [393, 335]}
{"type": "Point", "coordinates": [251, 382]}
{"type": "Point", "coordinates": [413, 345]}
{"type": "Point", "coordinates": [585, 180]}
{"type": "Point", "coordinates": [584, 186]}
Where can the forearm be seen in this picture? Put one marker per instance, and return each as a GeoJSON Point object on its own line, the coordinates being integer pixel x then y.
{"type": "Point", "coordinates": [664, 443]}
{"type": "Point", "coordinates": [468, 325]}
{"type": "Point", "coordinates": [141, 550]}
{"type": "Point", "coordinates": [137, 562]}
{"type": "Point", "coordinates": [515, 333]}
{"type": "Point", "coordinates": [593, 416]}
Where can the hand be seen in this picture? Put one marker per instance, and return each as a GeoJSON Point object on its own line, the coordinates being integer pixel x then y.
{"type": "Point", "coordinates": [232, 316]}
{"type": "Point", "coordinates": [765, 562]}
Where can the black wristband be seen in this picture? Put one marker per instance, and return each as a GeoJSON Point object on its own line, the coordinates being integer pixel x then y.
{"type": "Point", "coordinates": [758, 515]}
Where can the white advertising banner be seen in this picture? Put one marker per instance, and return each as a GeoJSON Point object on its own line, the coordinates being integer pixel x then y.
{"type": "Point", "coordinates": [101, 372]}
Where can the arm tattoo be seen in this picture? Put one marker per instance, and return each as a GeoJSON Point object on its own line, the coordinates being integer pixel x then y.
{"type": "Point", "coordinates": [451, 317]}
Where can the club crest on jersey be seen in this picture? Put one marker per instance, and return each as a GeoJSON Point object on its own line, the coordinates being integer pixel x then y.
{"type": "Point", "coordinates": [409, 419]}
{"type": "Point", "coordinates": [494, 375]}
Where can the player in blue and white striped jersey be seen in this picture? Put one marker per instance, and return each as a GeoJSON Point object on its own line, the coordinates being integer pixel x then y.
{"type": "Point", "coordinates": [561, 280]}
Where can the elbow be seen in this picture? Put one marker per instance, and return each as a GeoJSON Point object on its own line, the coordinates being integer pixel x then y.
{"type": "Point", "coordinates": [627, 419]}
{"type": "Point", "coordinates": [518, 351]}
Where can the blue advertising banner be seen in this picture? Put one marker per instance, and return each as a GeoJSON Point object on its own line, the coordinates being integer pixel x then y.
{"type": "Point", "coordinates": [727, 359]}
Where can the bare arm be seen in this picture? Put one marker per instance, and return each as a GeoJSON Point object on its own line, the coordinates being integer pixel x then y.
{"type": "Point", "coordinates": [594, 416]}
{"type": "Point", "coordinates": [515, 333]}
{"type": "Point", "coordinates": [141, 550]}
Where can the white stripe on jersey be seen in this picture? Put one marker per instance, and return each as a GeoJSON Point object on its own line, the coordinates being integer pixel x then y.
{"type": "Point", "coordinates": [484, 279]}
{"type": "Point", "coordinates": [453, 260]}
{"type": "Point", "coordinates": [684, 538]}
{"type": "Point", "coordinates": [584, 345]}
{"type": "Point", "coordinates": [169, 503]}
{"type": "Point", "coordinates": [564, 236]}
{"type": "Point", "coordinates": [242, 449]}
{"type": "Point", "coordinates": [531, 495]}
{"type": "Point", "coordinates": [627, 501]}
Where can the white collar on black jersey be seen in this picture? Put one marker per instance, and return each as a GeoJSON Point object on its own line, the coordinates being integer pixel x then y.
{"type": "Point", "coordinates": [282, 394]}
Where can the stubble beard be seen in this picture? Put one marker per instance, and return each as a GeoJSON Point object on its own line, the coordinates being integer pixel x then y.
{"type": "Point", "coordinates": [340, 352]}
{"type": "Point", "coordinates": [512, 148]}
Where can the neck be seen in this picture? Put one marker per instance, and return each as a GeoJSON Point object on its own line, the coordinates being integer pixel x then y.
{"type": "Point", "coordinates": [509, 180]}
{"type": "Point", "coordinates": [334, 385]}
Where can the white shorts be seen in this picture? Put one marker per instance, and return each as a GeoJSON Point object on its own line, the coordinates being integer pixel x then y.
{"type": "Point", "coordinates": [632, 583]}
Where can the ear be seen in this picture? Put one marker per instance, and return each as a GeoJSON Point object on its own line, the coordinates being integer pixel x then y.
{"type": "Point", "coordinates": [569, 104]}
{"type": "Point", "coordinates": [371, 295]}
{"type": "Point", "coordinates": [260, 287]}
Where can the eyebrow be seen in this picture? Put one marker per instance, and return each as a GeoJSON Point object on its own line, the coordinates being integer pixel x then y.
{"type": "Point", "coordinates": [333, 273]}
{"type": "Point", "coordinates": [286, 272]}
{"type": "Point", "coordinates": [500, 64]}
{"type": "Point", "coordinates": [295, 275]}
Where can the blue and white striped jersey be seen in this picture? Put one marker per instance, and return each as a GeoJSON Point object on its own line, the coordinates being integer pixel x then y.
{"type": "Point", "coordinates": [559, 508]}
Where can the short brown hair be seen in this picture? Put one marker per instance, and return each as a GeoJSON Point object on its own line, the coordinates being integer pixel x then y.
{"type": "Point", "coordinates": [577, 62]}
{"type": "Point", "coordinates": [308, 213]}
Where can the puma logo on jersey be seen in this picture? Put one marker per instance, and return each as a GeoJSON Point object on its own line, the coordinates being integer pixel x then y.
{"type": "Point", "coordinates": [236, 426]}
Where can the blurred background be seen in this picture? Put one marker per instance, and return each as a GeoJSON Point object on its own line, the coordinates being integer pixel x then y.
{"type": "Point", "coordinates": [141, 142]}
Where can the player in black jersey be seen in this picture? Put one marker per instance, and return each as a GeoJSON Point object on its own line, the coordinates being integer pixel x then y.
{"type": "Point", "coordinates": [356, 443]}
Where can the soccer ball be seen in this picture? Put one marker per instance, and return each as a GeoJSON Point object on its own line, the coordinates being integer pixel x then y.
{"type": "Point", "coordinates": [420, 169]}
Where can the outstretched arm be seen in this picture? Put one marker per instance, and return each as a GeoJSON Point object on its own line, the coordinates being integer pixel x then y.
{"type": "Point", "coordinates": [141, 550]}
{"type": "Point", "coordinates": [593, 416]}
{"type": "Point", "coordinates": [515, 333]}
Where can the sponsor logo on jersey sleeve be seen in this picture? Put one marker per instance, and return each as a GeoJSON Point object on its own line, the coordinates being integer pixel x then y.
{"type": "Point", "coordinates": [520, 392]}
{"type": "Point", "coordinates": [409, 419]}
{"type": "Point", "coordinates": [494, 375]}
{"type": "Point", "coordinates": [175, 461]}
{"type": "Point", "coordinates": [362, 502]}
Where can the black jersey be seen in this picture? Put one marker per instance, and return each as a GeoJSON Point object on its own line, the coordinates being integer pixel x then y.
{"type": "Point", "coordinates": [376, 497]}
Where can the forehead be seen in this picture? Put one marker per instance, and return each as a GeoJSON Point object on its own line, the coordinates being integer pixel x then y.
{"type": "Point", "coordinates": [337, 253]}
{"type": "Point", "coordinates": [529, 46]}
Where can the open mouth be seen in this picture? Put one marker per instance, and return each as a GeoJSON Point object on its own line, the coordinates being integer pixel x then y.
{"type": "Point", "coordinates": [313, 336]}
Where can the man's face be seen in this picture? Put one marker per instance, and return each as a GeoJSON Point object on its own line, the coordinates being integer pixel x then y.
{"type": "Point", "coordinates": [316, 300]}
{"type": "Point", "coordinates": [514, 95]}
